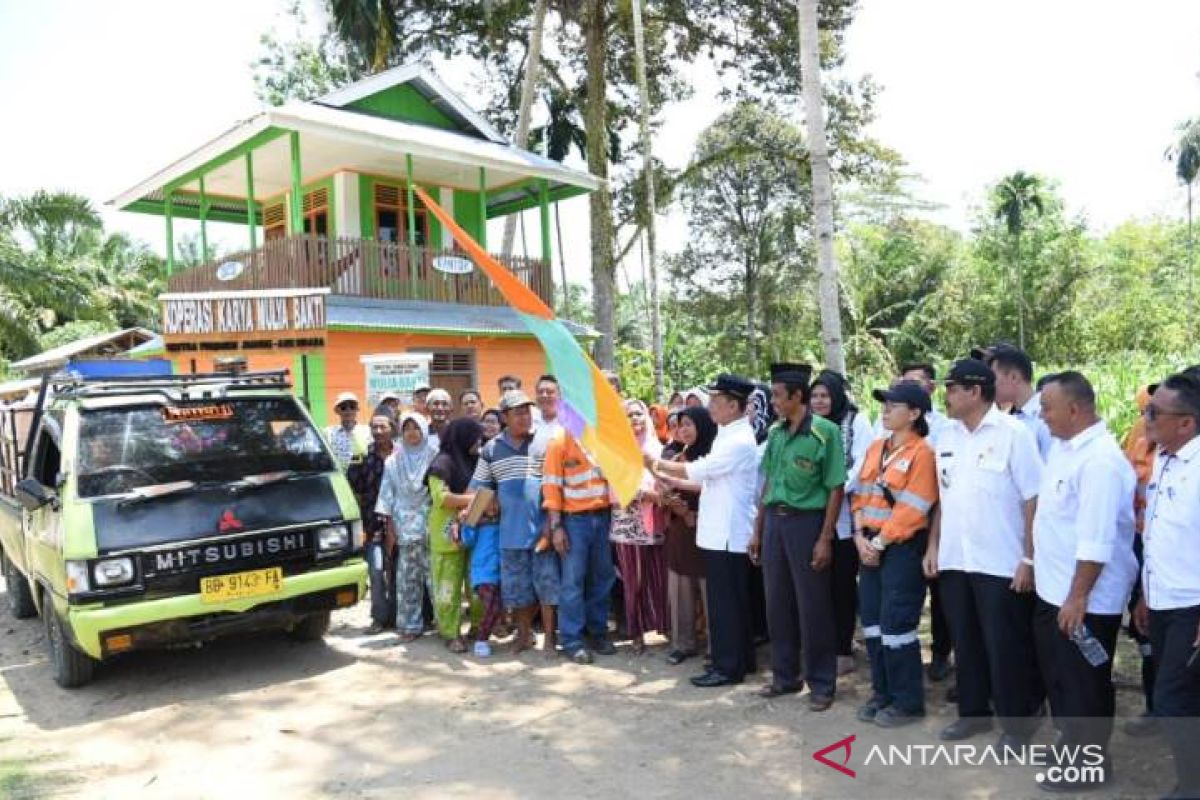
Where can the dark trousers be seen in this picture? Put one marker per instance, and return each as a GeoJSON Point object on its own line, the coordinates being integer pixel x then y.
{"type": "Point", "coordinates": [383, 593]}
{"type": "Point", "coordinates": [844, 585]}
{"type": "Point", "coordinates": [1082, 697]}
{"type": "Point", "coordinates": [992, 628]}
{"type": "Point", "coordinates": [1143, 642]}
{"type": "Point", "coordinates": [941, 637]}
{"type": "Point", "coordinates": [727, 584]}
{"type": "Point", "coordinates": [799, 602]}
{"type": "Point", "coordinates": [890, 598]}
{"type": "Point", "coordinates": [1177, 691]}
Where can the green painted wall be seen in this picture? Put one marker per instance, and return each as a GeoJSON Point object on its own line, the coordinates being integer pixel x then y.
{"type": "Point", "coordinates": [404, 103]}
{"type": "Point", "coordinates": [316, 386]}
{"type": "Point", "coordinates": [466, 212]}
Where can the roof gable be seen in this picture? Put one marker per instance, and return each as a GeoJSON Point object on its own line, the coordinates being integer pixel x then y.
{"type": "Point", "coordinates": [412, 93]}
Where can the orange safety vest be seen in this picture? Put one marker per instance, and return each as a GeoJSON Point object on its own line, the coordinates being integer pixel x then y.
{"type": "Point", "coordinates": [1140, 451]}
{"type": "Point", "coordinates": [897, 490]}
{"type": "Point", "coordinates": [571, 482]}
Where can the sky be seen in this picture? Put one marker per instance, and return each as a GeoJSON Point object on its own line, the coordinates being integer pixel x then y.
{"type": "Point", "coordinates": [98, 96]}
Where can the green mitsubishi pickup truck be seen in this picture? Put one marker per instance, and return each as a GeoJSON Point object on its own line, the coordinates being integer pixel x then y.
{"type": "Point", "coordinates": [152, 511]}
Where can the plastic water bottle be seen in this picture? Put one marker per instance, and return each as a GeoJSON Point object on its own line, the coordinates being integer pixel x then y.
{"type": "Point", "coordinates": [1089, 646]}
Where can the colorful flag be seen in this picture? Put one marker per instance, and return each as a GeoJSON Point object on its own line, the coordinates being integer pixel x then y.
{"type": "Point", "coordinates": [591, 409]}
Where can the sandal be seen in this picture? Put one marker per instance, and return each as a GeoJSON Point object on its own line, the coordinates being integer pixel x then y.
{"type": "Point", "coordinates": [456, 645]}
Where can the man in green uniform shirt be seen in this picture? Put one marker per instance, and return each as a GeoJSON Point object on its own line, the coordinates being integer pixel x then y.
{"type": "Point", "coordinates": [804, 473]}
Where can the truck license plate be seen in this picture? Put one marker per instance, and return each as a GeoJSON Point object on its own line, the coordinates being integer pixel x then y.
{"type": "Point", "coordinates": [219, 588]}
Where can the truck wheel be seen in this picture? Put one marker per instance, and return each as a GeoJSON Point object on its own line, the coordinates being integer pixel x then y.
{"type": "Point", "coordinates": [71, 667]}
{"type": "Point", "coordinates": [311, 628]}
{"type": "Point", "coordinates": [20, 599]}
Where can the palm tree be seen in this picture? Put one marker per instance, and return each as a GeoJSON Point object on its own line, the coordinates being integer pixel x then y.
{"type": "Point", "coordinates": [1185, 154]}
{"type": "Point", "coordinates": [639, 51]}
{"type": "Point", "coordinates": [1013, 199]}
{"type": "Point", "coordinates": [369, 26]}
{"type": "Point", "coordinates": [822, 183]}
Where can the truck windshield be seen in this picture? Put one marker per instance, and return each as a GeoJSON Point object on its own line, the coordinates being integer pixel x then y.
{"type": "Point", "coordinates": [122, 449]}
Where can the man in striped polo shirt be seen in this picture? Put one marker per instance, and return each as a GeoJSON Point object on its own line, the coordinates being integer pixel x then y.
{"type": "Point", "coordinates": [576, 497]}
{"type": "Point", "coordinates": [529, 573]}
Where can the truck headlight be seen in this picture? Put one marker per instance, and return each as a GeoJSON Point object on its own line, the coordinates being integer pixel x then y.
{"type": "Point", "coordinates": [332, 538]}
{"type": "Point", "coordinates": [113, 572]}
{"type": "Point", "coordinates": [78, 579]}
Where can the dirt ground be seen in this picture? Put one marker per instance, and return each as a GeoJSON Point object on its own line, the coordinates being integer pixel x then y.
{"type": "Point", "coordinates": [358, 717]}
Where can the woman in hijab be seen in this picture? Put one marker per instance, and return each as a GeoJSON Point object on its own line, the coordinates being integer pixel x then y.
{"type": "Point", "coordinates": [404, 502]}
{"type": "Point", "coordinates": [831, 400]}
{"type": "Point", "coordinates": [448, 476]}
{"type": "Point", "coordinates": [680, 500]}
{"type": "Point", "coordinates": [658, 415]}
{"type": "Point", "coordinates": [638, 542]}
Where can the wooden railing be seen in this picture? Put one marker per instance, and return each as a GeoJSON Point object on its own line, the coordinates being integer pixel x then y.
{"type": "Point", "coordinates": [360, 268]}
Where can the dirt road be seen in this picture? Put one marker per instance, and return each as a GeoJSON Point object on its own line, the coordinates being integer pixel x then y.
{"type": "Point", "coordinates": [357, 717]}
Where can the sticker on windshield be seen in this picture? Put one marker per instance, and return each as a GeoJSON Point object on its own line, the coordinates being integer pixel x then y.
{"type": "Point", "coordinates": [173, 414]}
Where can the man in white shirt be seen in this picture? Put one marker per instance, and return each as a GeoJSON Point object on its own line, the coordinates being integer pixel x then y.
{"type": "Point", "coordinates": [547, 425]}
{"type": "Point", "coordinates": [941, 643]}
{"type": "Point", "coordinates": [725, 522]}
{"type": "Point", "coordinates": [1084, 566]}
{"type": "Point", "coordinates": [1169, 609]}
{"type": "Point", "coordinates": [1015, 392]}
{"type": "Point", "coordinates": [981, 550]}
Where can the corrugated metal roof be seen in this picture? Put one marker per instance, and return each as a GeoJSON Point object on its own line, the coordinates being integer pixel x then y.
{"type": "Point", "coordinates": [415, 315]}
{"type": "Point", "coordinates": [58, 356]}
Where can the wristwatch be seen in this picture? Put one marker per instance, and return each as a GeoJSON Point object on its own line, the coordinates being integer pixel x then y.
{"type": "Point", "coordinates": [878, 543]}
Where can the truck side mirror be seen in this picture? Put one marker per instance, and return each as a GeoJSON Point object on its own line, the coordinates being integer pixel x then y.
{"type": "Point", "coordinates": [33, 495]}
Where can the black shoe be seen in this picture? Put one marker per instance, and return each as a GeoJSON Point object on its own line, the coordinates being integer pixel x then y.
{"type": "Point", "coordinates": [868, 710]}
{"type": "Point", "coordinates": [939, 668]}
{"type": "Point", "coordinates": [603, 646]}
{"type": "Point", "coordinates": [965, 728]}
{"type": "Point", "coordinates": [580, 655]}
{"type": "Point", "coordinates": [1142, 725]}
{"type": "Point", "coordinates": [677, 657]}
{"type": "Point", "coordinates": [892, 717]}
{"type": "Point", "coordinates": [711, 680]}
{"type": "Point", "coordinates": [773, 690]}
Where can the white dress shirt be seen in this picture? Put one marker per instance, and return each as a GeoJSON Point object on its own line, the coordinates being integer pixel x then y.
{"type": "Point", "coordinates": [985, 477]}
{"type": "Point", "coordinates": [1031, 415]}
{"type": "Point", "coordinates": [1171, 537]}
{"type": "Point", "coordinates": [860, 442]}
{"type": "Point", "coordinates": [728, 502]}
{"type": "Point", "coordinates": [1085, 513]}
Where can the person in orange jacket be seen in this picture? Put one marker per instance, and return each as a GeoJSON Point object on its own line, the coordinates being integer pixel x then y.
{"type": "Point", "coordinates": [893, 500]}
{"type": "Point", "coordinates": [1140, 452]}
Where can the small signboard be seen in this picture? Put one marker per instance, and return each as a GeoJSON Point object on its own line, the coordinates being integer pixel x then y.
{"type": "Point", "coordinates": [270, 319]}
{"type": "Point", "coordinates": [398, 373]}
{"type": "Point", "coordinates": [453, 265]}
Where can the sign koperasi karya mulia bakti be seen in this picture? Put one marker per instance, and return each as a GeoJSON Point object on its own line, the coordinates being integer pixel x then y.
{"type": "Point", "coordinates": [267, 319]}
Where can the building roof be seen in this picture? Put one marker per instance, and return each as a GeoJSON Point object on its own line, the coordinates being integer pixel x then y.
{"type": "Point", "coordinates": [428, 85]}
{"type": "Point", "coordinates": [418, 315]}
{"type": "Point", "coordinates": [102, 345]}
{"type": "Point", "coordinates": [334, 137]}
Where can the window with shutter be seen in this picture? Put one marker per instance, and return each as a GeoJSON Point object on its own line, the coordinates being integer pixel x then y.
{"type": "Point", "coordinates": [275, 221]}
{"type": "Point", "coordinates": [315, 208]}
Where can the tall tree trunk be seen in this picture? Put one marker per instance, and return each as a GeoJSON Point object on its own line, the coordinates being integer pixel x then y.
{"type": "Point", "coordinates": [528, 88]}
{"type": "Point", "coordinates": [604, 284]}
{"type": "Point", "coordinates": [1020, 292]}
{"type": "Point", "coordinates": [639, 47]}
{"type": "Point", "coordinates": [1191, 265]}
{"type": "Point", "coordinates": [822, 184]}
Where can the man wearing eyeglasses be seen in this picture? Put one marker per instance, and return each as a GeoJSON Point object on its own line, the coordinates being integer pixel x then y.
{"type": "Point", "coordinates": [348, 439]}
{"type": "Point", "coordinates": [1169, 608]}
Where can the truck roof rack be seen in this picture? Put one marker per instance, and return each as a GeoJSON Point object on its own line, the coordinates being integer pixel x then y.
{"type": "Point", "coordinates": [67, 385]}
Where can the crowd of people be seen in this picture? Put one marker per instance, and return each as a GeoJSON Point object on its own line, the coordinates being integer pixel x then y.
{"type": "Point", "coordinates": [776, 510]}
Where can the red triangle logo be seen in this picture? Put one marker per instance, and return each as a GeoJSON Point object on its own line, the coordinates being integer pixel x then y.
{"type": "Point", "coordinates": [229, 522]}
{"type": "Point", "coordinates": [844, 744]}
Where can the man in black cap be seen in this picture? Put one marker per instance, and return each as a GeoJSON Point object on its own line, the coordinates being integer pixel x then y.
{"type": "Point", "coordinates": [981, 551]}
{"type": "Point", "coordinates": [724, 525]}
{"type": "Point", "coordinates": [805, 475]}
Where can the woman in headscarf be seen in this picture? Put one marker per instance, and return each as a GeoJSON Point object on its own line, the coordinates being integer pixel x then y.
{"type": "Point", "coordinates": [404, 501]}
{"type": "Point", "coordinates": [680, 500]}
{"type": "Point", "coordinates": [638, 543]}
{"type": "Point", "coordinates": [658, 415]}
{"type": "Point", "coordinates": [448, 476]}
{"type": "Point", "coordinates": [695, 396]}
{"type": "Point", "coordinates": [676, 401]}
{"type": "Point", "coordinates": [831, 400]}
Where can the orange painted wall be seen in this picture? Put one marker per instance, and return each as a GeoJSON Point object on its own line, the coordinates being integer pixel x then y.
{"type": "Point", "coordinates": [493, 357]}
